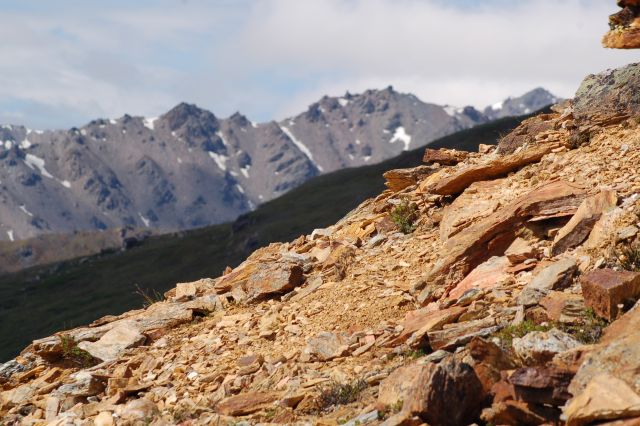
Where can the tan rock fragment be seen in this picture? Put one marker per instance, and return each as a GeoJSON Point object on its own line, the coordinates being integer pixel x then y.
{"type": "Point", "coordinates": [399, 179]}
{"type": "Point", "coordinates": [604, 398]}
{"type": "Point", "coordinates": [446, 157]}
{"type": "Point", "coordinates": [246, 403]}
{"type": "Point", "coordinates": [519, 251]}
{"type": "Point", "coordinates": [485, 276]}
{"type": "Point", "coordinates": [114, 342]}
{"type": "Point", "coordinates": [418, 323]}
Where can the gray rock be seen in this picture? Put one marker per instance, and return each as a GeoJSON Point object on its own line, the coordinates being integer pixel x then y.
{"type": "Point", "coordinates": [556, 276]}
{"type": "Point", "coordinates": [539, 347]}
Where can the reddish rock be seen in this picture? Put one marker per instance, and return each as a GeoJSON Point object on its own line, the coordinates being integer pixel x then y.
{"type": "Point", "coordinates": [459, 334]}
{"type": "Point", "coordinates": [402, 382]}
{"type": "Point", "coordinates": [485, 276]}
{"type": "Point", "coordinates": [246, 403]}
{"type": "Point", "coordinates": [581, 224]}
{"type": "Point", "coordinates": [542, 385]}
{"type": "Point", "coordinates": [520, 413]}
{"type": "Point", "coordinates": [604, 289]}
{"type": "Point", "coordinates": [563, 307]}
{"type": "Point", "coordinates": [501, 166]}
{"type": "Point", "coordinates": [446, 157]}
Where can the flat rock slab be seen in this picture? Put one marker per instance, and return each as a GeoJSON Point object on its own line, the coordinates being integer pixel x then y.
{"type": "Point", "coordinates": [605, 398]}
{"type": "Point", "coordinates": [418, 323]}
{"type": "Point", "coordinates": [443, 156]}
{"type": "Point", "coordinates": [500, 166]}
{"type": "Point", "coordinates": [114, 342]}
{"type": "Point", "coordinates": [326, 346]}
{"type": "Point", "coordinates": [485, 276]}
{"type": "Point", "coordinates": [605, 289]}
{"type": "Point", "coordinates": [399, 179]}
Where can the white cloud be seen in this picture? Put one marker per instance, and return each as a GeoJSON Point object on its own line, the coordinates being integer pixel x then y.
{"type": "Point", "coordinates": [270, 58]}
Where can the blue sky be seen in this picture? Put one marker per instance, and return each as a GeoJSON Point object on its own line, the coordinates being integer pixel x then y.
{"type": "Point", "coordinates": [69, 61]}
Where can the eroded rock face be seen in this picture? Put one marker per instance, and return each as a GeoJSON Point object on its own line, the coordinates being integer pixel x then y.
{"type": "Point", "coordinates": [609, 97]}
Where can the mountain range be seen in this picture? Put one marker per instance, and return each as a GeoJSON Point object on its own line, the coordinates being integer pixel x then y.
{"type": "Point", "coordinates": [188, 168]}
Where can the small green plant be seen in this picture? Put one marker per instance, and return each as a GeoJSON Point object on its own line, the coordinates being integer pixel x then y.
{"type": "Point", "coordinates": [507, 334]}
{"type": "Point", "coordinates": [340, 394]}
{"type": "Point", "coordinates": [587, 331]}
{"type": "Point", "coordinates": [404, 215]}
{"type": "Point", "coordinates": [628, 257]}
{"type": "Point", "coordinates": [390, 409]}
{"type": "Point", "coordinates": [414, 353]}
{"type": "Point", "coordinates": [71, 352]}
{"type": "Point", "coordinates": [148, 298]}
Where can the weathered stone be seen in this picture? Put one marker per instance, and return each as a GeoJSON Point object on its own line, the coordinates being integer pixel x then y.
{"type": "Point", "coordinates": [326, 346]}
{"type": "Point", "coordinates": [519, 251]}
{"type": "Point", "coordinates": [461, 333]}
{"type": "Point", "coordinates": [185, 291]}
{"type": "Point", "coordinates": [563, 307]}
{"type": "Point", "coordinates": [258, 280]}
{"type": "Point", "coordinates": [418, 323]}
{"type": "Point", "coordinates": [608, 97]}
{"type": "Point", "coordinates": [581, 223]}
{"type": "Point", "coordinates": [402, 382]}
{"type": "Point", "coordinates": [539, 347]}
{"type": "Point", "coordinates": [485, 276]}
{"type": "Point", "coordinates": [105, 418]}
{"type": "Point", "coordinates": [443, 156]}
{"type": "Point", "coordinates": [604, 398]}
{"type": "Point", "coordinates": [472, 205]}
{"type": "Point", "coordinates": [83, 384]}
{"type": "Point", "coordinates": [542, 385]}
{"type": "Point", "coordinates": [473, 244]}
{"type": "Point", "coordinates": [399, 179]}
{"type": "Point", "coordinates": [622, 38]}
{"type": "Point", "coordinates": [605, 289]}
{"type": "Point", "coordinates": [451, 383]}
{"type": "Point", "coordinates": [246, 403]}
{"type": "Point", "coordinates": [556, 276]}
{"type": "Point", "coordinates": [520, 413]}
{"type": "Point", "coordinates": [461, 179]}
{"type": "Point", "coordinates": [139, 409]}
{"type": "Point", "coordinates": [114, 342]}
{"type": "Point", "coordinates": [524, 135]}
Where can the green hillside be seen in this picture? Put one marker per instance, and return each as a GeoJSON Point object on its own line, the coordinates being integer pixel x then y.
{"type": "Point", "coordinates": [42, 300]}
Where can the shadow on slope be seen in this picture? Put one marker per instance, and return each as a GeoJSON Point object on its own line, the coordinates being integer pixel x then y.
{"type": "Point", "coordinates": [40, 301]}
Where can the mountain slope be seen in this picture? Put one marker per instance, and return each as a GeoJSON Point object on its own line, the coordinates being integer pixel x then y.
{"type": "Point", "coordinates": [189, 168]}
{"type": "Point", "coordinates": [498, 287]}
{"type": "Point", "coordinates": [107, 284]}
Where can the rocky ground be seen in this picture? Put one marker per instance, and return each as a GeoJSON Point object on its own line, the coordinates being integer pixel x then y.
{"type": "Point", "coordinates": [497, 287]}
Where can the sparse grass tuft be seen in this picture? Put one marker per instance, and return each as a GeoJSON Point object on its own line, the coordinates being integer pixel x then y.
{"type": "Point", "coordinates": [149, 298]}
{"type": "Point", "coordinates": [507, 334]}
{"type": "Point", "coordinates": [71, 352]}
{"type": "Point", "coordinates": [340, 394]}
{"type": "Point", "coordinates": [589, 330]}
{"type": "Point", "coordinates": [628, 257]}
{"type": "Point", "coordinates": [404, 215]}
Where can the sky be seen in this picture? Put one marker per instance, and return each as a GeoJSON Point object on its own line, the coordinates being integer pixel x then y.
{"type": "Point", "coordinates": [66, 62]}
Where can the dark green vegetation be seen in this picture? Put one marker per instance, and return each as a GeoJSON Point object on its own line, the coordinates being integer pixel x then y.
{"type": "Point", "coordinates": [340, 394]}
{"type": "Point", "coordinates": [403, 215]}
{"type": "Point", "coordinates": [40, 301]}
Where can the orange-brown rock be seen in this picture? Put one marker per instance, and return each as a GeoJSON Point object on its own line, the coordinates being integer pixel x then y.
{"type": "Point", "coordinates": [500, 166]}
{"type": "Point", "coordinates": [418, 323]}
{"type": "Point", "coordinates": [257, 280]}
{"type": "Point", "coordinates": [246, 403]}
{"type": "Point", "coordinates": [485, 276]}
{"type": "Point", "coordinates": [581, 223]}
{"type": "Point", "coordinates": [443, 156]}
{"type": "Point", "coordinates": [542, 385]}
{"type": "Point", "coordinates": [605, 289]}
{"type": "Point", "coordinates": [399, 179]}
